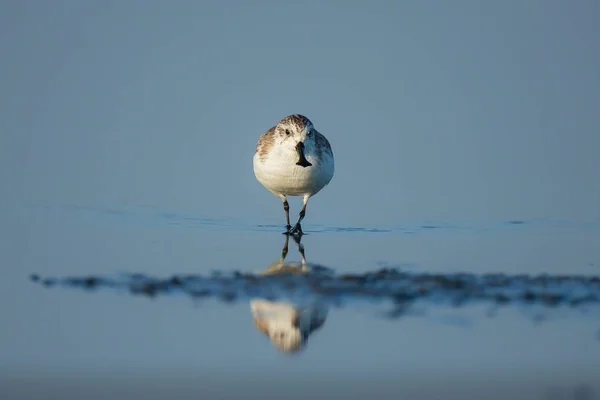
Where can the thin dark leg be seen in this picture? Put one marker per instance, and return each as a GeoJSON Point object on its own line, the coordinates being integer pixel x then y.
{"type": "Point", "coordinates": [298, 228]}
{"type": "Point", "coordinates": [286, 208]}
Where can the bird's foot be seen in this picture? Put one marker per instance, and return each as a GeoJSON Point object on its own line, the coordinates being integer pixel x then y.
{"type": "Point", "coordinates": [288, 228]}
{"type": "Point", "coordinates": [296, 230]}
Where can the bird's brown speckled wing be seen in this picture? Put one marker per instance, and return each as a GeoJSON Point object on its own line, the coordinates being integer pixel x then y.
{"type": "Point", "coordinates": [265, 142]}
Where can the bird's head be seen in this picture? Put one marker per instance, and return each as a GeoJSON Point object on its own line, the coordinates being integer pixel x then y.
{"type": "Point", "coordinates": [296, 132]}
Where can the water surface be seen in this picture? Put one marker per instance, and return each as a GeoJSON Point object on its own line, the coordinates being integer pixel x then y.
{"type": "Point", "coordinates": [154, 303]}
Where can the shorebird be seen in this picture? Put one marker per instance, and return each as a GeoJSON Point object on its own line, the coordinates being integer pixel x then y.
{"type": "Point", "coordinates": [293, 159]}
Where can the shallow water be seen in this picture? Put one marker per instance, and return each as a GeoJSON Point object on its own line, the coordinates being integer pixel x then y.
{"type": "Point", "coordinates": [455, 253]}
{"type": "Point", "coordinates": [130, 302]}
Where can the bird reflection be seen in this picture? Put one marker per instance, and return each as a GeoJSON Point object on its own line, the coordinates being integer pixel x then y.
{"type": "Point", "coordinates": [288, 325]}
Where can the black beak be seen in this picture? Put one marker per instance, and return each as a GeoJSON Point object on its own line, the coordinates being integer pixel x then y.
{"type": "Point", "coordinates": [302, 161]}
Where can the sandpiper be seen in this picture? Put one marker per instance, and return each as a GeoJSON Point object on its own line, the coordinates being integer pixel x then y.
{"type": "Point", "coordinates": [293, 159]}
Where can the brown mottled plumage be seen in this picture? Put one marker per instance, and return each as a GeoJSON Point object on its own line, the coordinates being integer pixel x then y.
{"type": "Point", "coordinates": [296, 119]}
{"type": "Point", "coordinates": [265, 141]}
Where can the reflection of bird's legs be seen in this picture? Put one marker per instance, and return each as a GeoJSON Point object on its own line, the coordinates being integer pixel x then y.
{"type": "Point", "coordinates": [298, 239]}
{"type": "Point", "coordinates": [284, 251]}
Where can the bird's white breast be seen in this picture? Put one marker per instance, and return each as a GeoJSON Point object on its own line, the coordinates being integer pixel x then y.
{"type": "Point", "coordinates": [279, 173]}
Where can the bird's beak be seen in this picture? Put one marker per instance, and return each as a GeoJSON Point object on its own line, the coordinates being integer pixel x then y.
{"type": "Point", "coordinates": [302, 161]}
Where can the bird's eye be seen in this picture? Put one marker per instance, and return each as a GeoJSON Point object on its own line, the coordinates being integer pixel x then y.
{"type": "Point", "coordinates": [309, 132]}
{"type": "Point", "coordinates": [287, 132]}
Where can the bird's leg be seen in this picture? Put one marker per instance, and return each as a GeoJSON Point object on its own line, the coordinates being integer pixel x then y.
{"type": "Point", "coordinates": [286, 208]}
{"type": "Point", "coordinates": [297, 229]}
